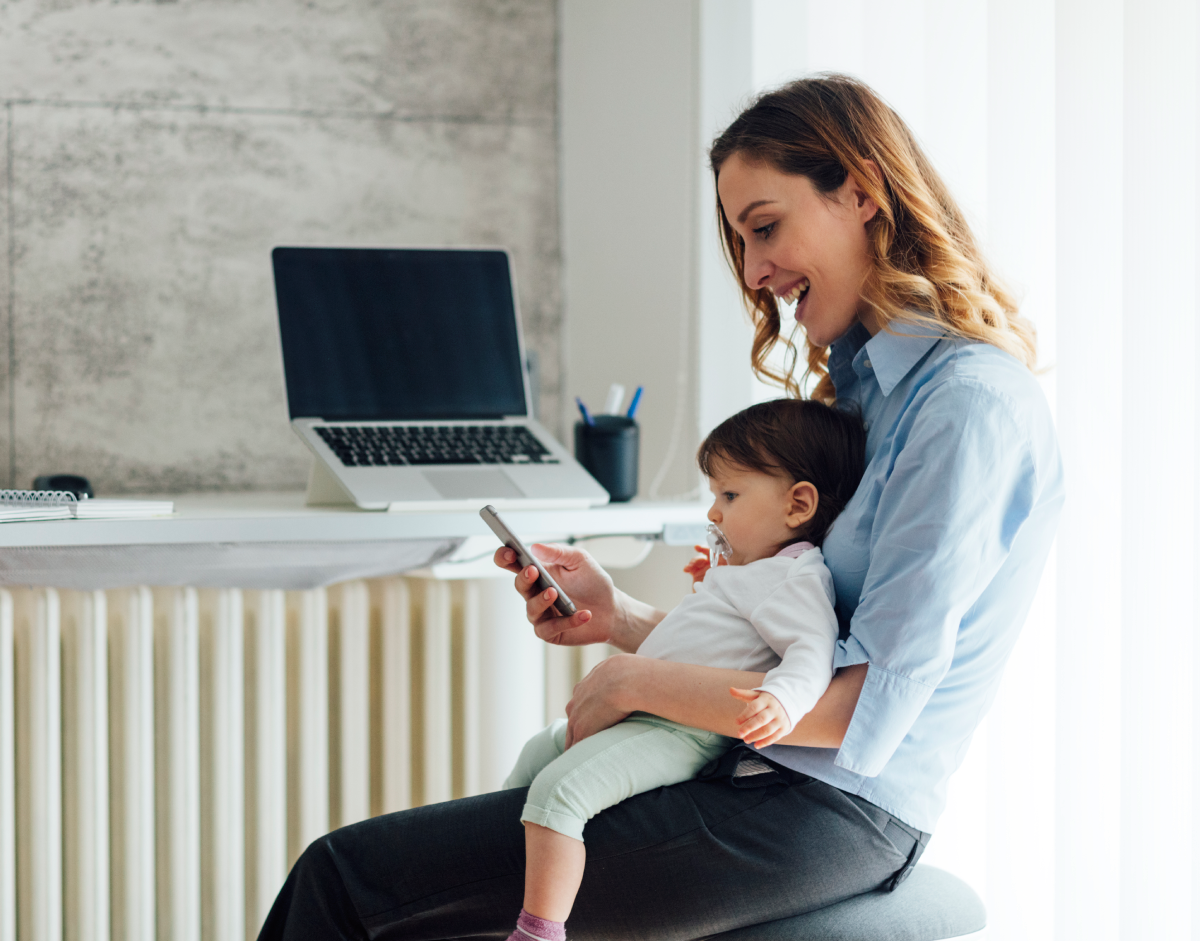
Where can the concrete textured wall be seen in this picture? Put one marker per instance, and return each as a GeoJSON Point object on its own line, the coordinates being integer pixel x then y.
{"type": "Point", "coordinates": [154, 153]}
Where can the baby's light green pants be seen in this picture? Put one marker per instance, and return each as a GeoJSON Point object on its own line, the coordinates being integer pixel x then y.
{"type": "Point", "coordinates": [567, 787]}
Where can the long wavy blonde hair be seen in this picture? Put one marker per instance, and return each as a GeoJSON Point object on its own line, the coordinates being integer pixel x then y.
{"type": "Point", "coordinates": [926, 266]}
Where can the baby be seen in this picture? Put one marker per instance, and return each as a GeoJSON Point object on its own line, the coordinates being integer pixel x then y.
{"type": "Point", "coordinates": [780, 473]}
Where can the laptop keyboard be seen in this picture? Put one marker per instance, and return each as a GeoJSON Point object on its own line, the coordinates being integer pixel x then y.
{"type": "Point", "coordinates": [397, 446]}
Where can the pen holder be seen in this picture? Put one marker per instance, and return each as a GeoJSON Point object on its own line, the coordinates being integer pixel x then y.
{"type": "Point", "coordinates": [608, 450]}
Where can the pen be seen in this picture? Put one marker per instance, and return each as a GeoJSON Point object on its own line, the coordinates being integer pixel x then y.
{"type": "Point", "coordinates": [633, 406]}
{"type": "Point", "coordinates": [584, 412]}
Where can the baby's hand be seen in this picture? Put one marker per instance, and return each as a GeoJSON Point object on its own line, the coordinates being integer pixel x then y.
{"type": "Point", "coordinates": [764, 721]}
{"type": "Point", "coordinates": [698, 565]}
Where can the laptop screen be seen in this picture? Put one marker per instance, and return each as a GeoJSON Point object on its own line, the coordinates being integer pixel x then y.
{"type": "Point", "coordinates": [398, 334]}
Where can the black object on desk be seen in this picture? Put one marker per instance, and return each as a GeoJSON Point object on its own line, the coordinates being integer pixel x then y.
{"type": "Point", "coordinates": [72, 483]}
{"type": "Point", "coordinates": [608, 449]}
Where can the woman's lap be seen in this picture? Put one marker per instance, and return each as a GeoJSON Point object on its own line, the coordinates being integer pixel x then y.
{"type": "Point", "coordinates": [682, 862]}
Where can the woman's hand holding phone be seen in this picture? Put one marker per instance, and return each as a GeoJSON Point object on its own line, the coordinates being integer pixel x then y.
{"type": "Point", "coordinates": [587, 584]}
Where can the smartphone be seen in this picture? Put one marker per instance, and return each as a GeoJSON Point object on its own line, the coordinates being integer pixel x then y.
{"type": "Point", "coordinates": [562, 604]}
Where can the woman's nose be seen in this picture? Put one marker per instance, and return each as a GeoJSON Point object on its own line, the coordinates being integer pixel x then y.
{"type": "Point", "coordinates": [758, 270]}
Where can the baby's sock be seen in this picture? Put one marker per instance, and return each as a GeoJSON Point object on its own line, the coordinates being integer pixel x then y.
{"type": "Point", "coordinates": [532, 928]}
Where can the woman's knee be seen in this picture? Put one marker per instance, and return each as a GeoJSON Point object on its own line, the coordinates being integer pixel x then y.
{"type": "Point", "coordinates": [315, 865]}
{"type": "Point", "coordinates": [314, 902]}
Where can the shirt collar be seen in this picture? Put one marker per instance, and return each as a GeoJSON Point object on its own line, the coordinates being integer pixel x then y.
{"type": "Point", "coordinates": [892, 355]}
{"type": "Point", "coordinates": [841, 356]}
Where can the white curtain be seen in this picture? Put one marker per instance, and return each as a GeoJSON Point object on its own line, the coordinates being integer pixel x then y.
{"type": "Point", "coordinates": [1068, 130]}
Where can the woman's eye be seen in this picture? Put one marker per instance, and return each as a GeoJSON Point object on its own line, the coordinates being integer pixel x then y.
{"type": "Point", "coordinates": [764, 231]}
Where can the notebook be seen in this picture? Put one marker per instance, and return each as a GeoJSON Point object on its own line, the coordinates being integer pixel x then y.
{"type": "Point", "coordinates": [29, 505]}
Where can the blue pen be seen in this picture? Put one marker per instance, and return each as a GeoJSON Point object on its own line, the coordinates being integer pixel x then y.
{"type": "Point", "coordinates": [633, 406]}
{"type": "Point", "coordinates": [584, 412]}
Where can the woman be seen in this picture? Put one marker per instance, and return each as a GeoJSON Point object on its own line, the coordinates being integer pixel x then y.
{"type": "Point", "coordinates": [826, 202]}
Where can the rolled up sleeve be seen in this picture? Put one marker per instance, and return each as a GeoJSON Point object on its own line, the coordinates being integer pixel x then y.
{"type": "Point", "coordinates": [961, 484]}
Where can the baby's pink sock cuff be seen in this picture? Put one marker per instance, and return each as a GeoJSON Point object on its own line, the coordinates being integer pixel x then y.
{"type": "Point", "coordinates": [540, 929]}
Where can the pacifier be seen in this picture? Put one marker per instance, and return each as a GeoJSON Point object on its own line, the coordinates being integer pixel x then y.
{"type": "Point", "coordinates": [718, 546]}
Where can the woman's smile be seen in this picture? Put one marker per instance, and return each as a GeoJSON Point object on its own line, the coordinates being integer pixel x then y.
{"type": "Point", "coordinates": [794, 293]}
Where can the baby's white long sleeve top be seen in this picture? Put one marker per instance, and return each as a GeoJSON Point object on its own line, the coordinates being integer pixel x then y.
{"type": "Point", "coordinates": [774, 615]}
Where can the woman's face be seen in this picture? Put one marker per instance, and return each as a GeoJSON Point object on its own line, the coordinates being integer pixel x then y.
{"type": "Point", "coordinates": [809, 249]}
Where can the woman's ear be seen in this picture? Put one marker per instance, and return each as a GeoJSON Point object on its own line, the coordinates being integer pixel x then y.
{"type": "Point", "coordinates": [863, 205]}
{"type": "Point", "coordinates": [802, 504]}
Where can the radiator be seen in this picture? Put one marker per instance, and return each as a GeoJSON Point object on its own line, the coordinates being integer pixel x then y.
{"type": "Point", "coordinates": [166, 754]}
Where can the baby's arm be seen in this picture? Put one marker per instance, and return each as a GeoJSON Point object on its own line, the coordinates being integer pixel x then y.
{"type": "Point", "coordinates": [798, 622]}
{"type": "Point", "coordinates": [764, 721]}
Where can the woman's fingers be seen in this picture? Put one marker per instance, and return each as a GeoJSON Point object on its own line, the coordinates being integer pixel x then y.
{"type": "Point", "coordinates": [505, 558]}
{"type": "Point", "coordinates": [540, 611]}
{"type": "Point", "coordinates": [538, 604]}
{"type": "Point", "coordinates": [592, 708]}
{"type": "Point", "coordinates": [526, 582]}
{"type": "Point", "coordinates": [550, 553]}
{"type": "Point", "coordinates": [559, 631]}
{"type": "Point", "coordinates": [583, 581]}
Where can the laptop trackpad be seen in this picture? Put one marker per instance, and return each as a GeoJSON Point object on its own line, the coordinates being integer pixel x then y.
{"type": "Point", "coordinates": [476, 482]}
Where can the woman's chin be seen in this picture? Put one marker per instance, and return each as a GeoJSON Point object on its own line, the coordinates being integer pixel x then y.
{"type": "Point", "coordinates": [816, 336]}
{"type": "Point", "coordinates": [820, 333]}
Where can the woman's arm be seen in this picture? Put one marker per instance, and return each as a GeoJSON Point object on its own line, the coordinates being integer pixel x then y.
{"type": "Point", "coordinates": [692, 695]}
{"type": "Point", "coordinates": [699, 697]}
{"type": "Point", "coordinates": [604, 616]}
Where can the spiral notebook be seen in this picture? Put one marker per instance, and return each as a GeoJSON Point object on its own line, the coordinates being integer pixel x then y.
{"type": "Point", "coordinates": [28, 505]}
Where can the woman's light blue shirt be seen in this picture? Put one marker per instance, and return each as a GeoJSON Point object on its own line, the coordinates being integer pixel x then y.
{"type": "Point", "coordinates": [936, 558]}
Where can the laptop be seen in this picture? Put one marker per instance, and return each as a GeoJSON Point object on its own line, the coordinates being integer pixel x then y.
{"type": "Point", "coordinates": [406, 378]}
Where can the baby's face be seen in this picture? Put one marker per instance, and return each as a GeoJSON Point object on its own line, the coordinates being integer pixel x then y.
{"type": "Point", "coordinates": [752, 509]}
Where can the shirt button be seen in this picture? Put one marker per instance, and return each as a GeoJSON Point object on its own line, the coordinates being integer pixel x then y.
{"type": "Point", "coordinates": [867, 363]}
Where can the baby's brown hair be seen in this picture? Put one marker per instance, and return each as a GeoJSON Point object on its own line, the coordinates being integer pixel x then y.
{"type": "Point", "coordinates": [800, 439]}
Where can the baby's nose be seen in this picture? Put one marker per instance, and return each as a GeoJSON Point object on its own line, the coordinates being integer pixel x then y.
{"type": "Point", "coordinates": [714, 515]}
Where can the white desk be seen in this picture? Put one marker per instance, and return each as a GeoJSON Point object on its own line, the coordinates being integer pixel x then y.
{"type": "Point", "coordinates": [272, 540]}
{"type": "Point", "coordinates": [323, 692]}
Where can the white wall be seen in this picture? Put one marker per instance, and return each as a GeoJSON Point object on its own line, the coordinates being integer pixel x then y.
{"type": "Point", "coordinates": [628, 122]}
{"type": "Point", "coordinates": [152, 154]}
{"type": "Point", "coordinates": [649, 298]}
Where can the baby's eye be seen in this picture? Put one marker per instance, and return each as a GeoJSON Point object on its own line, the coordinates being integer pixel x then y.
{"type": "Point", "coordinates": [729, 495]}
{"type": "Point", "coordinates": [764, 231]}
